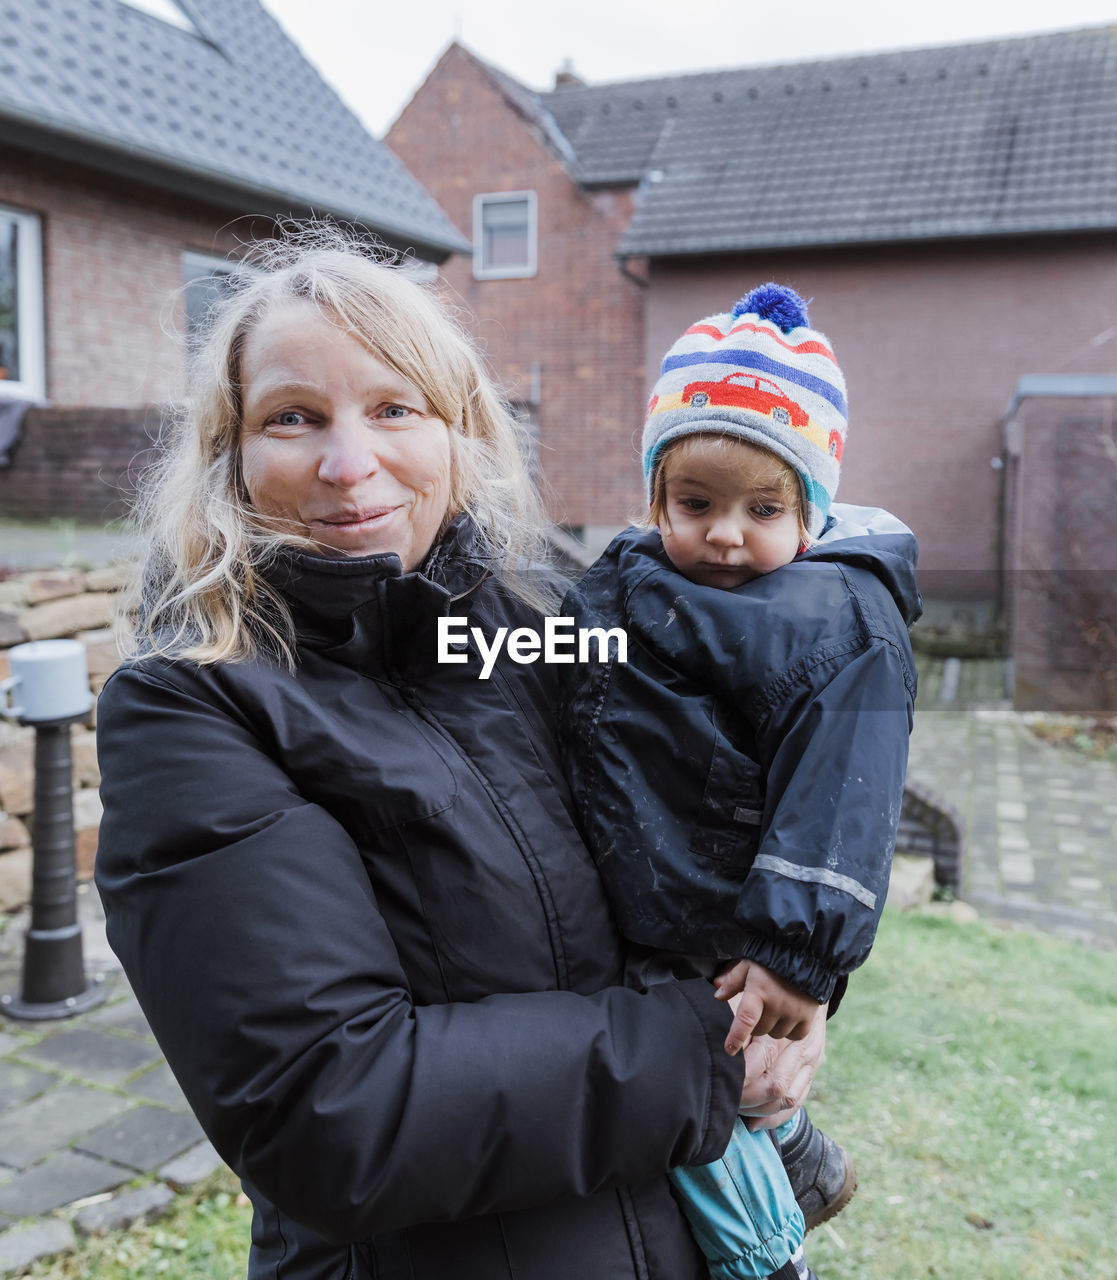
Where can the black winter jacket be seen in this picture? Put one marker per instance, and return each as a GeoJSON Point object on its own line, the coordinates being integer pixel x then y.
{"type": "Point", "coordinates": [357, 914]}
{"type": "Point", "coordinates": [739, 779]}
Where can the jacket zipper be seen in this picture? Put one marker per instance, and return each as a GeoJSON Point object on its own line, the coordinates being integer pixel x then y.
{"type": "Point", "coordinates": [411, 698]}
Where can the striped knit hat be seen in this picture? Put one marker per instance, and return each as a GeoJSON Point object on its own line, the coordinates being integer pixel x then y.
{"type": "Point", "coordinates": [757, 372]}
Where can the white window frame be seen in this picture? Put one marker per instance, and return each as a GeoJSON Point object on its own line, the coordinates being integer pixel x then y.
{"type": "Point", "coordinates": [168, 11]}
{"type": "Point", "coordinates": [29, 315]}
{"type": "Point", "coordinates": [482, 272]}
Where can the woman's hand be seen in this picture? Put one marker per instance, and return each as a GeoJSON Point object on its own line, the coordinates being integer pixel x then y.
{"type": "Point", "coordinates": [779, 1074]}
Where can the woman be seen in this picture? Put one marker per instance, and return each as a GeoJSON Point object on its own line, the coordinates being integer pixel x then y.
{"type": "Point", "coordinates": [342, 878]}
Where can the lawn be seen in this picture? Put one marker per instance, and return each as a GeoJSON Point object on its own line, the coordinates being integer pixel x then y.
{"type": "Point", "coordinates": [971, 1072]}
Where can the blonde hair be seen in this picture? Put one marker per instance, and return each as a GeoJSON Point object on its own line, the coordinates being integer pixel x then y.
{"type": "Point", "coordinates": [202, 595]}
{"type": "Point", "coordinates": [751, 466]}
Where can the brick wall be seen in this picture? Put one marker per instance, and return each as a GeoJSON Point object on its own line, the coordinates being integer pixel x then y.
{"type": "Point", "coordinates": [579, 320]}
{"type": "Point", "coordinates": [932, 340]}
{"type": "Point", "coordinates": [78, 463]}
{"type": "Point", "coordinates": [112, 267]}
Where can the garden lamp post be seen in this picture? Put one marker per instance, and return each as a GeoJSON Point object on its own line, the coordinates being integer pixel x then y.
{"type": "Point", "coordinates": [49, 687]}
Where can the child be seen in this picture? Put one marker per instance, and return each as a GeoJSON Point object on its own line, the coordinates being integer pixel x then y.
{"type": "Point", "coordinates": [739, 779]}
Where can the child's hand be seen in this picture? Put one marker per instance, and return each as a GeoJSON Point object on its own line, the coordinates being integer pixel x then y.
{"type": "Point", "coordinates": [765, 1005]}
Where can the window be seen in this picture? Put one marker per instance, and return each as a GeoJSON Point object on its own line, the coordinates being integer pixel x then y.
{"type": "Point", "coordinates": [527, 417]}
{"type": "Point", "coordinates": [166, 11]}
{"type": "Point", "coordinates": [419, 269]}
{"type": "Point", "coordinates": [205, 277]}
{"type": "Point", "coordinates": [504, 235]}
{"type": "Point", "coordinates": [21, 306]}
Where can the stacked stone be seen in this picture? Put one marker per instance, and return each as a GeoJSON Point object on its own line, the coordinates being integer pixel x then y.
{"type": "Point", "coordinates": [45, 605]}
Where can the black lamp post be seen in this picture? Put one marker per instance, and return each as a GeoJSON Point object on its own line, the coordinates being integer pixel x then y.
{"type": "Point", "coordinates": [53, 692]}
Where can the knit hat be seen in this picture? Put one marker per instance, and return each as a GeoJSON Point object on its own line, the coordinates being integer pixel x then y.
{"type": "Point", "coordinates": [757, 372]}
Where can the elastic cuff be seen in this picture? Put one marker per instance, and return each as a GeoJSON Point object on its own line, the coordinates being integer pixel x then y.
{"type": "Point", "coordinates": [811, 975]}
{"type": "Point", "coordinates": [727, 1074]}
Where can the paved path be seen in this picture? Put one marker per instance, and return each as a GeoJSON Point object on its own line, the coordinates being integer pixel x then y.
{"type": "Point", "coordinates": [93, 1128]}
{"type": "Point", "coordinates": [1040, 822]}
{"type": "Point", "coordinates": [94, 1132]}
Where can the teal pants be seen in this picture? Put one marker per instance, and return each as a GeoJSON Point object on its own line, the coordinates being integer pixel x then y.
{"type": "Point", "coordinates": [741, 1208]}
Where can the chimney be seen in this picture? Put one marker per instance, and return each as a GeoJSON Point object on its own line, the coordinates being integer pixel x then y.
{"type": "Point", "coordinates": [567, 78]}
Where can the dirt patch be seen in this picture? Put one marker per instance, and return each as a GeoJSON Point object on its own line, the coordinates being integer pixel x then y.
{"type": "Point", "coordinates": [1094, 736]}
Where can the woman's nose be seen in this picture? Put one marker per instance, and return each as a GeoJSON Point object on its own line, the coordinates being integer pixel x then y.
{"type": "Point", "coordinates": [349, 455]}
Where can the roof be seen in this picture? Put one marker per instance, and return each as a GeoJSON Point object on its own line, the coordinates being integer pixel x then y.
{"type": "Point", "coordinates": [1014, 136]}
{"type": "Point", "coordinates": [232, 107]}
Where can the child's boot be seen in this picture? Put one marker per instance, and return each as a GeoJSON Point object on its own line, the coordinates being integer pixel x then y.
{"type": "Point", "coordinates": [821, 1173]}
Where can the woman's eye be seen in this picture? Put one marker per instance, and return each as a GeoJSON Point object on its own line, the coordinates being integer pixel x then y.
{"type": "Point", "coordinates": [288, 418]}
{"type": "Point", "coordinates": [395, 411]}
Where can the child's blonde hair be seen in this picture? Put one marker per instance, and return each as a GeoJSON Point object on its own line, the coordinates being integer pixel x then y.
{"type": "Point", "coordinates": [749, 465]}
{"type": "Point", "coordinates": [202, 595]}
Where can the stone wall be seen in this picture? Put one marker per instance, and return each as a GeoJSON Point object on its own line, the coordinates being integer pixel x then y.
{"type": "Point", "coordinates": [45, 605]}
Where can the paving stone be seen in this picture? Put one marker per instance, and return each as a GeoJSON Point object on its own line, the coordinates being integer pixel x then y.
{"type": "Point", "coordinates": [123, 1015]}
{"type": "Point", "coordinates": [64, 1178]}
{"type": "Point", "coordinates": [1012, 811]}
{"type": "Point", "coordinates": [22, 1246]}
{"type": "Point", "coordinates": [159, 1085]}
{"type": "Point", "coordinates": [18, 1083]}
{"type": "Point", "coordinates": [8, 1042]}
{"type": "Point", "coordinates": [93, 1054]}
{"type": "Point", "coordinates": [1013, 840]}
{"type": "Point", "coordinates": [144, 1138]}
{"type": "Point", "coordinates": [1018, 868]}
{"type": "Point", "coordinates": [138, 1205]}
{"type": "Point", "coordinates": [54, 1120]}
{"type": "Point", "coordinates": [192, 1166]}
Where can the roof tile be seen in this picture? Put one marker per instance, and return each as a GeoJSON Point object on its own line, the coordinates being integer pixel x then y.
{"type": "Point", "coordinates": [1001, 137]}
{"type": "Point", "coordinates": [237, 103]}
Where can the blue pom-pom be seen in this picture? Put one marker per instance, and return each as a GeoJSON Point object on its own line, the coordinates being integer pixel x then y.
{"type": "Point", "coordinates": [775, 302]}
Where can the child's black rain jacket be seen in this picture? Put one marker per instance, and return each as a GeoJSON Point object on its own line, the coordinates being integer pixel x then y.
{"type": "Point", "coordinates": [739, 779]}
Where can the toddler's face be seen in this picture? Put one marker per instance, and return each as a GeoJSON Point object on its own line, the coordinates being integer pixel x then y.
{"type": "Point", "coordinates": [720, 532]}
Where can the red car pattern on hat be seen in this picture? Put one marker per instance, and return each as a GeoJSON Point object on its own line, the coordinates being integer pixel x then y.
{"type": "Point", "coordinates": [746, 391]}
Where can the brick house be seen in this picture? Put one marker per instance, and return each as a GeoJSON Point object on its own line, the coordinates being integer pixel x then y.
{"type": "Point", "coordinates": [561, 322]}
{"type": "Point", "coordinates": [140, 141]}
{"type": "Point", "coordinates": [952, 211]}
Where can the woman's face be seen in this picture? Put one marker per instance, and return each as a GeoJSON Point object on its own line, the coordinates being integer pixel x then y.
{"type": "Point", "coordinates": [336, 442]}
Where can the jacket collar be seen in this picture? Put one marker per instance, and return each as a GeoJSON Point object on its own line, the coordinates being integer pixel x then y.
{"type": "Point", "coordinates": [365, 609]}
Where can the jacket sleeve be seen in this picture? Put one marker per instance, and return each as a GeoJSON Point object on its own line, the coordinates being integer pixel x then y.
{"type": "Point", "coordinates": [248, 928]}
{"type": "Point", "coordinates": [834, 750]}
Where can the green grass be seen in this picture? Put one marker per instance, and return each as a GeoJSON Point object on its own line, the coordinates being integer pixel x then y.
{"type": "Point", "coordinates": [204, 1236]}
{"type": "Point", "coordinates": [972, 1073]}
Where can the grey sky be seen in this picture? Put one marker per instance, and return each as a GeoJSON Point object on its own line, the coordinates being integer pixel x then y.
{"type": "Point", "coordinates": [376, 54]}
